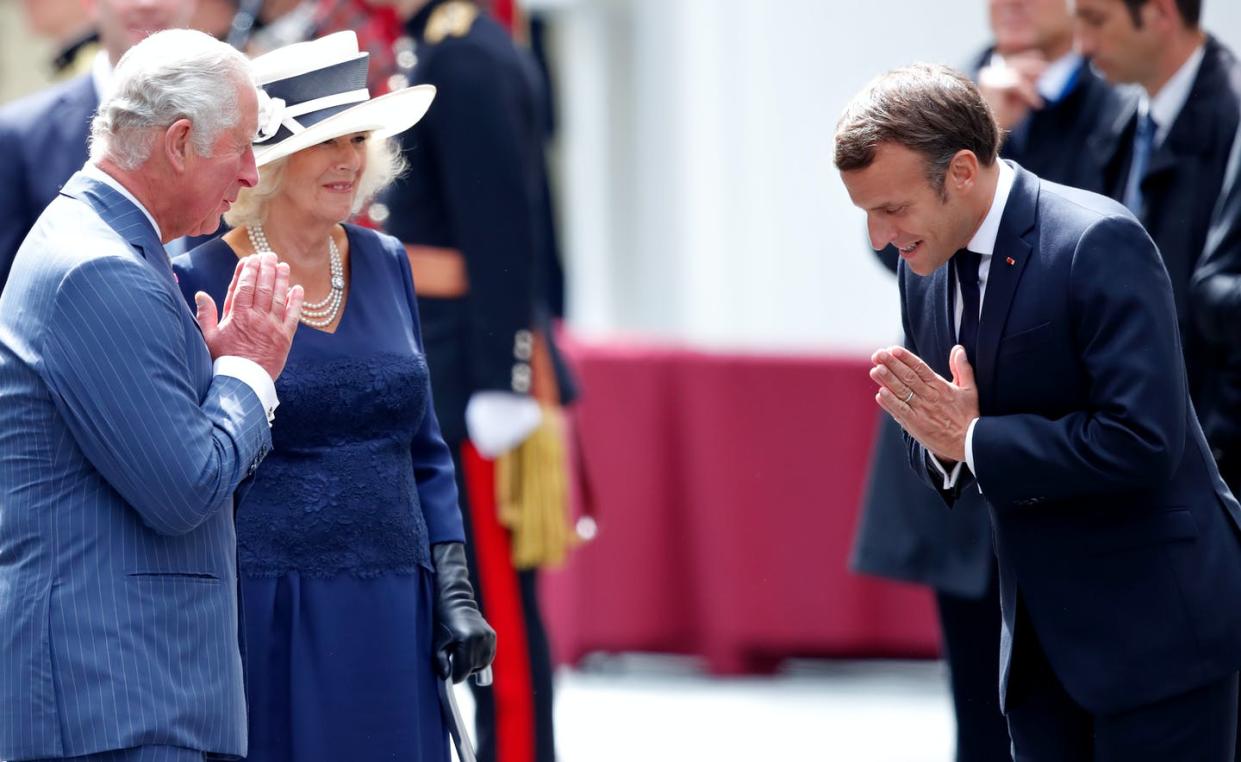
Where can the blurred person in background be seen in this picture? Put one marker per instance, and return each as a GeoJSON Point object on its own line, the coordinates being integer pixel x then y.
{"type": "Point", "coordinates": [43, 137]}
{"type": "Point", "coordinates": [215, 17]}
{"type": "Point", "coordinates": [1050, 104]}
{"type": "Point", "coordinates": [353, 572]}
{"type": "Point", "coordinates": [1165, 157]}
{"type": "Point", "coordinates": [1044, 94]}
{"type": "Point", "coordinates": [1215, 300]}
{"type": "Point", "coordinates": [469, 212]}
{"type": "Point", "coordinates": [70, 25]}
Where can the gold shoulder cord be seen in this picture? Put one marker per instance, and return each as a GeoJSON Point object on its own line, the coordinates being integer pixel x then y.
{"type": "Point", "coordinates": [532, 495]}
{"type": "Point", "coordinates": [452, 19]}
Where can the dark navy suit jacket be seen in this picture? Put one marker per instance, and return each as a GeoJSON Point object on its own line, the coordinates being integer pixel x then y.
{"type": "Point", "coordinates": [900, 536]}
{"type": "Point", "coordinates": [43, 139]}
{"type": "Point", "coordinates": [1112, 525]}
{"type": "Point", "coordinates": [1184, 179]}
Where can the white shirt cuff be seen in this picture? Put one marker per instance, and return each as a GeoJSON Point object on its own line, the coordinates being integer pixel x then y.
{"type": "Point", "coordinates": [969, 448]}
{"type": "Point", "coordinates": [950, 479]}
{"type": "Point", "coordinates": [252, 375]}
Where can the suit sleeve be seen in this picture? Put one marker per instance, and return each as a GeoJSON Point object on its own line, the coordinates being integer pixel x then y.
{"type": "Point", "coordinates": [433, 468]}
{"type": "Point", "coordinates": [114, 358]}
{"type": "Point", "coordinates": [1215, 295]}
{"type": "Point", "coordinates": [478, 140]}
{"type": "Point", "coordinates": [919, 458]}
{"type": "Point", "coordinates": [1129, 433]}
{"type": "Point", "coordinates": [15, 218]}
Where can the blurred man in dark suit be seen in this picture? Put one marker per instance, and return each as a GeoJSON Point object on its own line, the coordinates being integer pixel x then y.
{"type": "Point", "coordinates": [1215, 301]}
{"type": "Point", "coordinates": [1048, 99]}
{"type": "Point", "coordinates": [43, 136]}
{"type": "Point", "coordinates": [1164, 155]}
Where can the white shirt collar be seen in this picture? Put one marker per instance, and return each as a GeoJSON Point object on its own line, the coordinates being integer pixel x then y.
{"type": "Point", "coordinates": [983, 241]}
{"type": "Point", "coordinates": [95, 173]}
{"type": "Point", "coordinates": [1055, 78]}
{"type": "Point", "coordinates": [101, 74]}
{"type": "Point", "coordinates": [1166, 105]}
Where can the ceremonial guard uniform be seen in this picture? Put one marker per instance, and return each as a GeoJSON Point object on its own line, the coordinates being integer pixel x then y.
{"type": "Point", "coordinates": [471, 213]}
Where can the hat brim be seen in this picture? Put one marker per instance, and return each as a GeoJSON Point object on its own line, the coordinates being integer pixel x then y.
{"type": "Point", "coordinates": [383, 117]}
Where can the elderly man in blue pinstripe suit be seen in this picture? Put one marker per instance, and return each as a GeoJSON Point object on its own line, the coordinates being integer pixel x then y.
{"type": "Point", "coordinates": [126, 424]}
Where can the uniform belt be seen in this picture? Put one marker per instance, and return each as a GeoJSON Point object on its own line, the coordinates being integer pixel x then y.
{"type": "Point", "coordinates": [439, 272]}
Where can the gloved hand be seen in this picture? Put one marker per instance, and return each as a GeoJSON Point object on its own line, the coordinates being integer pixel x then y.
{"type": "Point", "coordinates": [461, 631]}
{"type": "Point", "coordinates": [499, 421]}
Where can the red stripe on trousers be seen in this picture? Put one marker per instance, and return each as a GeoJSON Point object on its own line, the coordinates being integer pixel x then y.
{"type": "Point", "coordinates": [511, 686]}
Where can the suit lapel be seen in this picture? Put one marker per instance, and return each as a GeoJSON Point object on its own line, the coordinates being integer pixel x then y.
{"type": "Point", "coordinates": [1008, 262]}
{"type": "Point", "coordinates": [1108, 142]}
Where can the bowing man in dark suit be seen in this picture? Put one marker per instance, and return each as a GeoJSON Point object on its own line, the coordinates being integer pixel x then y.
{"type": "Point", "coordinates": [43, 137]}
{"type": "Point", "coordinates": [1164, 156]}
{"type": "Point", "coordinates": [1050, 311]}
{"type": "Point", "coordinates": [1049, 101]}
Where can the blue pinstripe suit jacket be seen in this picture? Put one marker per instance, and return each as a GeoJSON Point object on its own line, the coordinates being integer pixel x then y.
{"type": "Point", "coordinates": [119, 455]}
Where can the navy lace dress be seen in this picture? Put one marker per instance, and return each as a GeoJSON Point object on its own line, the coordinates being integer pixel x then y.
{"type": "Point", "coordinates": [334, 533]}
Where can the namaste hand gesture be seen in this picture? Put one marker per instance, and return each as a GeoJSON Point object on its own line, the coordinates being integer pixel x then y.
{"type": "Point", "coordinates": [934, 411]}
{"type": "Point", "coordinates": [260, 314]}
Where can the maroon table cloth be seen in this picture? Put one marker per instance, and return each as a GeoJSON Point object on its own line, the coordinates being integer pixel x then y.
{"type": "Point", "coordinates": [726, 490]}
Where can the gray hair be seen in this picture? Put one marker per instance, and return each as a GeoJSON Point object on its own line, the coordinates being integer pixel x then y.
{"type": "Point", "coordinates": [383, 165]}
{"type": "Point", "coordinates": [171, 75]}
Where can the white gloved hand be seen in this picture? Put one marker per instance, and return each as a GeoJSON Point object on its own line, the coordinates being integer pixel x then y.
{"type": "Point", "coordinates": [499, 421]}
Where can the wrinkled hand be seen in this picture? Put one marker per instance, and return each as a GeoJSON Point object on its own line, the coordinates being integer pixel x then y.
{"type": "Point", "coordinates": [1011, 88]}
{"type": "Point", "coordinates": [465, 643]}
{"type": "Point", "coordinates": [939, 413]}
{"type": "Point", "coordinates": [260, 314]}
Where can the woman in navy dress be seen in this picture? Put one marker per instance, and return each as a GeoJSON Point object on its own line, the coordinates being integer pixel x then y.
{"type": "Point", "coordinates": [350, 541]}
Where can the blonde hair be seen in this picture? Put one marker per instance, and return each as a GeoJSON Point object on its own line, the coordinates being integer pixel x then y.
{"type": "Point", "coordinates": [384, 164]}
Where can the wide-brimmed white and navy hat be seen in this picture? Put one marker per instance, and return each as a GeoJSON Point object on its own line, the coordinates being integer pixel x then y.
{"type": "Point", "coordinates": [315, 91]}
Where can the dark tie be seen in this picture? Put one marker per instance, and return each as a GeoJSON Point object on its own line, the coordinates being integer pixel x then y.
{"type": "Point", "coordinates": [1143, 142]}
{"type": "Point", "coordinates": [966, 263]}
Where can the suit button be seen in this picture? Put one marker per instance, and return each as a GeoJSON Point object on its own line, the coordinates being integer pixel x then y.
{"type": "Point", "coordinates": [521, 378]}
{"type": "Point", "coordinates": [523, 345]}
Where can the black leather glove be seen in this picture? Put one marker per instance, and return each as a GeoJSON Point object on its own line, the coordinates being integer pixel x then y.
{"type": "Point", "coordinates": [464, 642]}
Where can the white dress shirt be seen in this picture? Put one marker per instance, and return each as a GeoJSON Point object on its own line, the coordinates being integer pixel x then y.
{"type": "Point", "coordinates": [247, 371]}
{"type": "Point", "coordinates": [1166, 104]}
{"type": "Point", "coordinates": [983, 243]}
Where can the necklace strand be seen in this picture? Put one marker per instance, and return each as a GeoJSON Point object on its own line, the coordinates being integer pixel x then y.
{"type": "Point", "coordinates": [323, 312]}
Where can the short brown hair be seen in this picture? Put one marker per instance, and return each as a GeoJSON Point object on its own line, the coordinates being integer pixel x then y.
{"type": "Point", "coordinates": [927, 108]}
{"type": "Point", "coordinates": [1190, 10]}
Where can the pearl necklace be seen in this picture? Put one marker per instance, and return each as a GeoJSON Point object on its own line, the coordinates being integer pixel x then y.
{"type": "Point", "coordinates": [314, 314]}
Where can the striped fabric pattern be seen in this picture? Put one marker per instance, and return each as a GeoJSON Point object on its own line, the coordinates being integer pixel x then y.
{"type": "Point", "coordinates": [119, 456]}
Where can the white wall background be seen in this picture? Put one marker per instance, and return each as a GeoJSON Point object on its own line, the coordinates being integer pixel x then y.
{"type": "Point", "coordinates": [695, 181]}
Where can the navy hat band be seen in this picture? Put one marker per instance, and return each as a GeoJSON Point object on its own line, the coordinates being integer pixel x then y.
{"type": "Point", "coordinates": [297, 103]}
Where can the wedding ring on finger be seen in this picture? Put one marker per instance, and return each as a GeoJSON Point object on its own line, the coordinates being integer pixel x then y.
{"type": "Point", "coordinates": [908, 397]}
